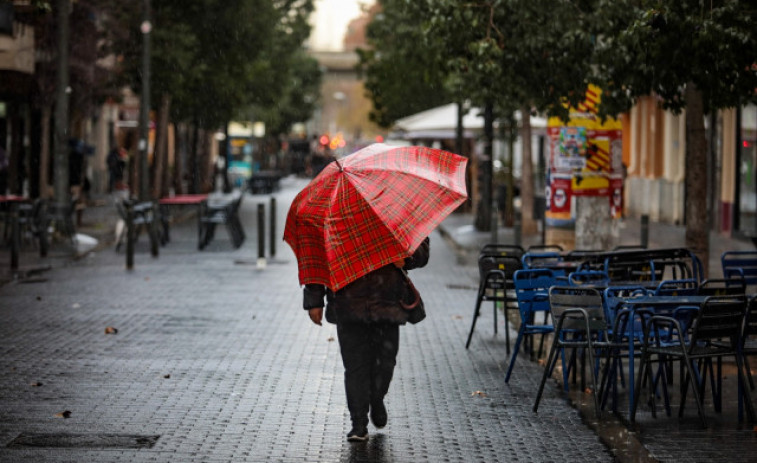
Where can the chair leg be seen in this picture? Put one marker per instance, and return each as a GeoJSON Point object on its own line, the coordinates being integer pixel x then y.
{"type": "Point", "coordinates": [479, 299]}
{"type": "Point", "coordinates": [643, 365]}
{"type": "Point", "coordinates": [494, 305]}
{"type": "Point", "coordinates": [595, 391]}
{"type": "Point", "coordinates": [690, 367]}
{"type": "Point", "coordinates": [744, 394]}
{"type": "Point", "coordinates": [516, 348]}
{"type": "Point", "coordinates": [551, 360]}
{"type": "Point", "coordinates": [748, 372]}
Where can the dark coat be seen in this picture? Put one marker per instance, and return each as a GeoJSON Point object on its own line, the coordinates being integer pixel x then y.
{"type": "Point", "coordinates": [374, 297]}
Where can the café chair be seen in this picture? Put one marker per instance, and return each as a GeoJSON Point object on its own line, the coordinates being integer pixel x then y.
{"type": "Point", "coordinates": [495, 285]}
{"type": "Point", "coordinates": [665, 339]}
{"type": "Point", "coordinates": [579, 318]}
{"type": "Point", "coordinates": [532, 291]}
{"type": "Point", "coordinates": [682, 287]}
{"type": "Point", "coordinates": [735, 285]}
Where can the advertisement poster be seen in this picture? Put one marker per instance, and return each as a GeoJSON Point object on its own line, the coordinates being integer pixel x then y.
{"type": "Point", "coordinates": [585, 159]}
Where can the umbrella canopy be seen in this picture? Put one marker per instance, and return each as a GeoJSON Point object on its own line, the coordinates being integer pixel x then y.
{"type": "Point", "coordinates": [370, 209]}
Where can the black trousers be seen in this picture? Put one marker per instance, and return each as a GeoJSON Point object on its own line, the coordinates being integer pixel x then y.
{"type": "Point", "coordinates": [369, 354]}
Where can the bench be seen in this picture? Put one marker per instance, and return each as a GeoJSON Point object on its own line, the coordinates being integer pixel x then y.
{"type": "Point", "coordinates": [264, 182]}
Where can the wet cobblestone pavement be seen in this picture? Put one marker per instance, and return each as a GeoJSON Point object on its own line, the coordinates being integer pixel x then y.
{"type": "Point", "coordinates": [215, 361]}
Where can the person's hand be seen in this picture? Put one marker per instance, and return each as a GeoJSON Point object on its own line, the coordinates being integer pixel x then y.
{"type": "Point", "coordinates": [400, 263]}
{"type": "Point", "coordinates": [316, 314]}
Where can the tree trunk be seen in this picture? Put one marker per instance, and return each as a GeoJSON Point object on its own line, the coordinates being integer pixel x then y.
{"type": "Point", "coordinates": [44, 155]}
{"type": "Point", "coordinates": [484, 213]}
{"type": "Point", "coordinates": [526, 175]}
{"type": "Point", "coordinates": [194, 161]}
{"type": "Point", "coordinates": [62, 192]}
{"type": "Point", "coordinates": [459, 130]}
{"type": "Point", "coordinates": [180, 159]}
{"type": "Point", "coordinates": [697, 226]}
{"type": "Point", "coordinates": [161, 147]}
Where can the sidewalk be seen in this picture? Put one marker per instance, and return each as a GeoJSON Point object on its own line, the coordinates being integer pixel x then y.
{"type": "Point", "coordinates": [664, 438]}
{"type": "Point", "coordinates": [460, 230]}
{"type": "Point", "coordinates": [215, 361]}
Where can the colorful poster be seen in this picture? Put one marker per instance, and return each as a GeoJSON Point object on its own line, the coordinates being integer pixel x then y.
{"type": "Point", "coordinates": [585, 160]}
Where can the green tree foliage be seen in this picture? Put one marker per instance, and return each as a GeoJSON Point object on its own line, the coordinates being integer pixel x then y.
{"type": "Point", "coordinates": [215, 58]}
{"type": "Point", "coordinates": [403, 67]}
{"type": "Point", "coordinates": [701, 56]}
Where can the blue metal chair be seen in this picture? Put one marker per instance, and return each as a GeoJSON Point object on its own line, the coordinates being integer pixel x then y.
{"type": "Point", "coordinates": [589, 278]}
{"type": "Point", "coordinates": [532, 290]}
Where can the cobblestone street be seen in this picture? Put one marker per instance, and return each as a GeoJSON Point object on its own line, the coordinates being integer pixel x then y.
{"type": "Point", "coordinates": [214, 360]}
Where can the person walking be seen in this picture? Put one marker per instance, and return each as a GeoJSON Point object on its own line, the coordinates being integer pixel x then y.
{"type": "Point", "coordinates": [368, 313]}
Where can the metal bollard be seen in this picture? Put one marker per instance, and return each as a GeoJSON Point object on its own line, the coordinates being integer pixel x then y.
{"type": "Point", "coordinates": [153, 230]}
{"type": "Point", "coordinates": [645, 231]}
{"type": "Point", "coordinates": [15, 236]}
{"type": "Point", "coordinates": [261, 235]}
{"type": "Point", "coordinates": [273, 227]}
{"type": "Point", "coordinates": [129, 235]}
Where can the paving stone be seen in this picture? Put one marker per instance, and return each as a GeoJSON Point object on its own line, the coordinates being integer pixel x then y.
{"type": "Point", "coordinates": [217, 358]}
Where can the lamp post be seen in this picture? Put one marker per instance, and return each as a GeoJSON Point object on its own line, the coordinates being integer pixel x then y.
{"type": "Point", "coordinates": [144, 106]}
{"type": "Point", "coordinates": [61, 186]}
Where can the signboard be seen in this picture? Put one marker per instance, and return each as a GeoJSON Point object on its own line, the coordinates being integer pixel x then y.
{"type": "Point", "coordinates": [585, 159]}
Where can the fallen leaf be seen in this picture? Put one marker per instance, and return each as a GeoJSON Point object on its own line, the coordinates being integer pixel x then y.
{"type": "Point", "coordinates": [63, 414]}
{"type": "Point", "coordinates": [147, 278]}
{"type": "Point", "coordinates": [167, 376]}
{"type": "Point", "coordinates": [330, 339]}
{"type": "Point", "coordinates": [588, 390]}
{"type": "Point", "coordinates": [457, 317]}
{"type": "Point", "coordinates": [541, 362]}
{"type": "Point", "coordinates": [110, 330]}
{"type": "Point", "coordinates": [478, 393]}
{"type": "Point", "coordinates": [35, 384]}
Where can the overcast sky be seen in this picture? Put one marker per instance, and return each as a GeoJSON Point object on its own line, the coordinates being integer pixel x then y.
{"type": "Point", "coordinates": [330, 22]}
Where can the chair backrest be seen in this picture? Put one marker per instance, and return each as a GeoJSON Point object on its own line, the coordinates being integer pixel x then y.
{"type": "Point", "coordinates": [719, 317]}
{"type": "Point", "coordinates": [684, 287]}
{"type": "Point", "coordinates": [743, 262]}
{"type": "Point", "coordinates": [496, 249]}
{"type": "Point", "coordinates": [652, 265]}
{"type": "Point", "coordinates": [615, 296]}
{"type": "Point", "coordinates": [564, 298]}
{"type": "Point", "coordinates": [733, 286]}
{"type": "Point", "coordinates": [507, 264]}
{"type": "Point", "coordinates": [588, 278]}
{"type": "Point", "coordinates": [532, 290]}
{"type": "Point", "coordinates": [545, 248]}
{"type": "Point", "coordinates": [535, 259]}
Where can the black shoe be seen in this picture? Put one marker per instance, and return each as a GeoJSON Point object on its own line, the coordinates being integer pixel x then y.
{"type": "Point", "coordinates": [358, 434]}
{"type": "Point", "coordinates": [378, 414]}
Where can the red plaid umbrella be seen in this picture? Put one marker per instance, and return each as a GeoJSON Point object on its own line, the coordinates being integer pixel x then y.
{"type": "Point", "coordinates": [370, 209]}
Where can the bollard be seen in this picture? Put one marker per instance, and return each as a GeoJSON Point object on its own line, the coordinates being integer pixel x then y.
{"type": "Point", "coordinates": [273, 227]}
{"type": "Point", "coordinates": [15, 236]}
{"type": "Point", "coordinates": [153, 229]}
{"type": "Point", "coordinates": [261, 235]}
{"type": "Point", "coordinates": [129, 235]}
{"type": "Point", "coordinates": [644, 231]}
